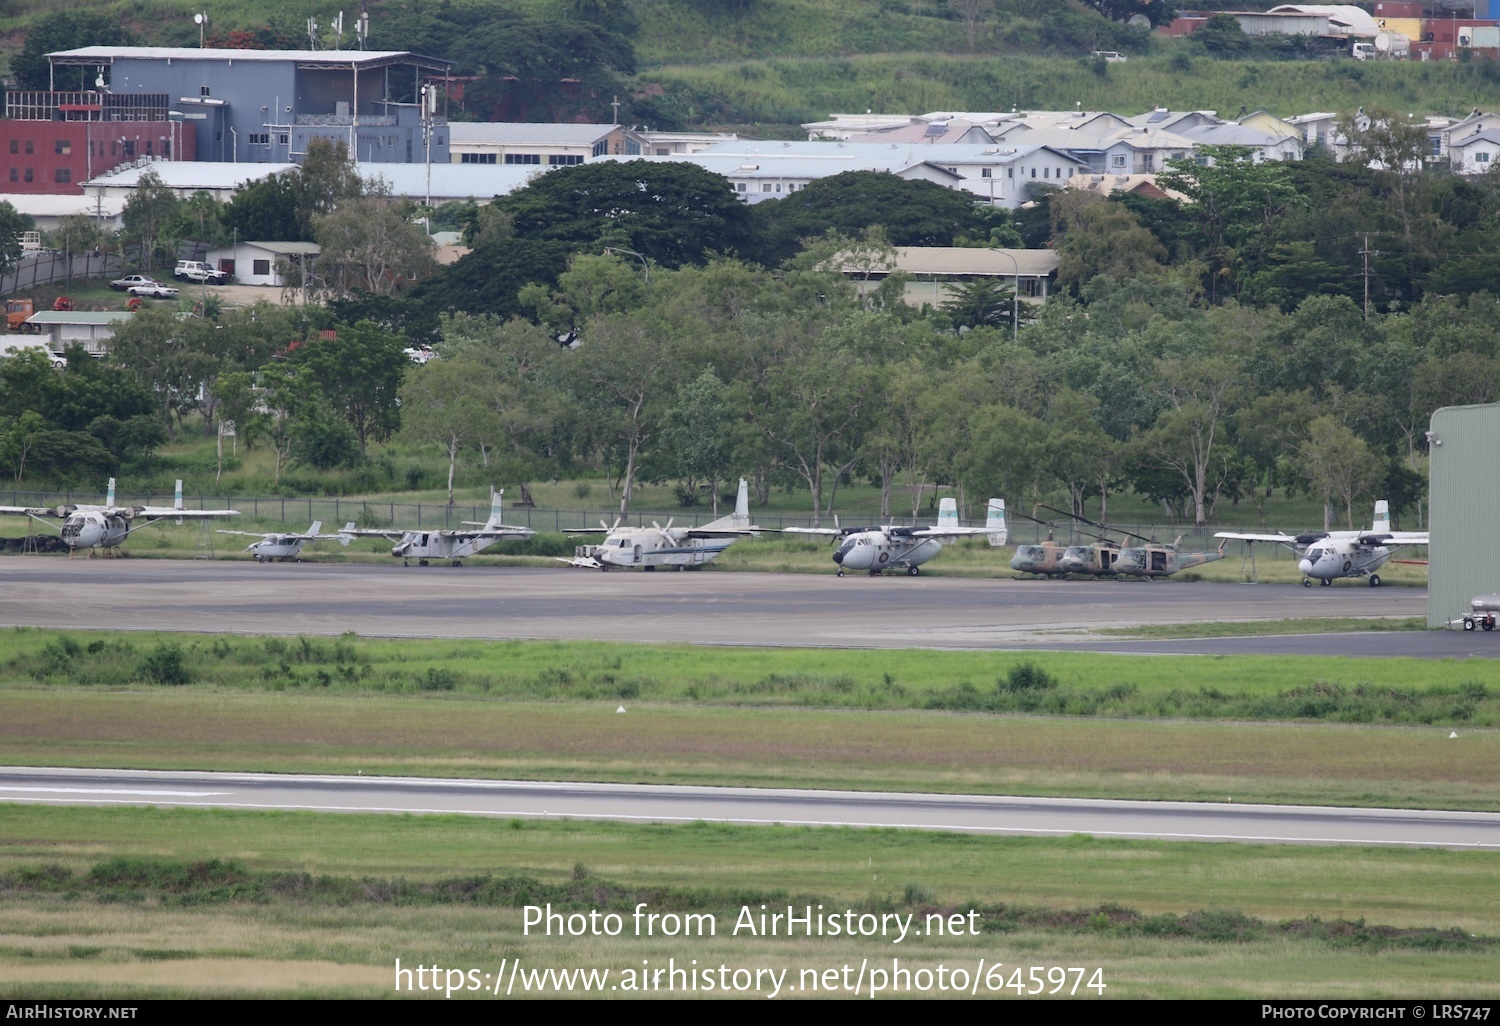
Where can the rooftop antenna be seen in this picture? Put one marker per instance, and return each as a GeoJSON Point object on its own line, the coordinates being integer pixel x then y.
{"type": "Point", "coordinates": [338, 31]}
{"type": "Point", "coordinates": [312, 33]}
{"type": "Point", "coordinates": [362, 27]}
{"type": "Point", "coordinates": [202, 20]}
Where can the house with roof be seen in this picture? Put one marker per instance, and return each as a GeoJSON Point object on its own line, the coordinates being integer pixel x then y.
{"type": "Point", "coordinates": [934, 272]}
{"type": "Point", "coordinates": [261, 263]}
{"type": "Point", "coordinates": [666, 144]}
{"type": "Point", "coordinates": [268, 105]}
{"type": "Point", "coordinates": [539, 145]}
{"type": "Point", "coordinates": [1475, 153]}
{"type": "Point", "coordinates": [88, 328]}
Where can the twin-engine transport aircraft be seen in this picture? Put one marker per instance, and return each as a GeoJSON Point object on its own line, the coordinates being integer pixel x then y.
{"type": "Point", "coordinates": [651, 547]}
{"type": "Point", "coordinates": [1329, 555]}
{"type": "Point", "coordinates": [285, 547]}
{"type": "Point", "coordinates": [877, 549]}
{"type": "Point", "coordinates": [454, 545]}
{"type": "Point", "coordinates": [106, 527]}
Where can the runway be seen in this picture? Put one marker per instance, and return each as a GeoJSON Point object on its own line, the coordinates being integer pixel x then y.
{"type": "Point", "coordinates": [712, 607]}
{"type": "Point", "coordinates": [996, 816]}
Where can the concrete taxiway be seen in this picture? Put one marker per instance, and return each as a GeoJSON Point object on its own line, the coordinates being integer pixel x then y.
{"type": "Point", "coordinates": [709, 607]}
{"type": "Point", "coordinates": [1183, 821]}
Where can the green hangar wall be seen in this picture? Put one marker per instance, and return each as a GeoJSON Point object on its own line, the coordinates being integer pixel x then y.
{"type": "Point", "coordinates": [1464, 444]}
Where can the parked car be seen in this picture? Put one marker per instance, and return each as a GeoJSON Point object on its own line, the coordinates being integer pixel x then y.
{"type": "Point", "coordinates": [155, 290]}
{"type": "Point", "coordinates": [128, 282]}
{"type": "Point", "coordinates": [199, 272]}
{"type": "Point", "coordinates": [1110, 56]}
{"type": "Point", "coordinates": [420, 354]}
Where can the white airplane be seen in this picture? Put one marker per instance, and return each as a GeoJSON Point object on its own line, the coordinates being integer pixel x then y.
{"type": "Point", "coordinates": [107, 526]}
{"type": "Point", "coordinates": [651, 547]}
{"type": "Point", "coordinates": [285, 547]}
{"type": "Point", "coordinates": [1329, 555]}
{"type": "Point", "coordinates": [877, 549]}
{"type": "Point", "coordinates": [454, 545]}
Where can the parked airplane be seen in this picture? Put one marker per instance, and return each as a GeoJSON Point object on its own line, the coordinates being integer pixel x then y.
{"type": "Point", "coordinates": [455, 545]}
{"type": "Point", "coordinates": [107, 526]}
{"type": "Point", "coordinates": [1329, 555]}
{"type": "Point", "coordinates": [1150, 560]}
{"type": "Point", "coordinates": [654, 546]}
{"type": "Point", "coordinates": [285, 547]}
{"type": "Point", "coordinates": [877, 549]}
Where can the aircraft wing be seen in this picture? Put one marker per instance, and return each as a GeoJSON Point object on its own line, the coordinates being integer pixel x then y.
{"type": "Point", "coordinates": [1393, 538]}
{"type": "Point", "coordinates": [250, 534]}
{"type": "Point", "coordinates": [829, 531]}
{"type": "Point", "coordinates": [490, 532]}
{"type": "Point", "coordinates": [946, 532]}
{"type": "Point", "coordinates": [28, 511]}
{"type": "Point", "coordinates": [164, 512]}
{"type": "Point", "coordinates": [1280, 539]}
{"type": "Point", "coordinates": [723, 532]}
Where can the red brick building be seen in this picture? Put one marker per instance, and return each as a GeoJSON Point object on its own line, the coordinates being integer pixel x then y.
{"type": "Point", "coordinates": [52, 142]}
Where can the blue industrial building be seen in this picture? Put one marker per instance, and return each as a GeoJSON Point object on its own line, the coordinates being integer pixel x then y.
{"type": "Point", "coordinates": [267, 105]}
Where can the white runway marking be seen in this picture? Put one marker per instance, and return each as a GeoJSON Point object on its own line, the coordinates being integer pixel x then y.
{"type": "Point", "coordinates": [119, 790]}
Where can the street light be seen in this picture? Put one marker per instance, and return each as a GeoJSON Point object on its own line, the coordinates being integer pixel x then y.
{"type": "Point", "coordinates": [612, 250]}
{"type": "Point", "coordinates": [1015, 294]}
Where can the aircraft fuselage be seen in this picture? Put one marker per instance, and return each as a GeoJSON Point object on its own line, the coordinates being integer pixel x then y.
{"type": "Point", "coordinates": [651, 547]}
{"type": "Point", "coordinates": [94, 531]}
{"type": "Point", "coordinates": [877, 551]}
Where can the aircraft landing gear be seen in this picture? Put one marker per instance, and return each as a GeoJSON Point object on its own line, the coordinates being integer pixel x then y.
{"type": "Point", "coordinates": [421, 562]}
{"type": "Point", "coordinates": [458, 562]}
{"type": "Point", "coordinates": [1325, 582]}
{"type": "Point", "coordinates": [841, 573]}
{"type": "Point", "coordinates": [604, 568]}
{"type": "Point", "coordinates": [1307, 582]}
{"type": "Point", "coordinates": [1374, 580]}
{"type": "Point", "coordinates": [405, 563]}
{"type": "Point", "coordinates": [912, 571]}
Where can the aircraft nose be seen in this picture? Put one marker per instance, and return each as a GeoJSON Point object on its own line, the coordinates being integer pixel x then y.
{"type": "Point", "coordinates": [1305, 566]}
{"type": "Point", "coordinates": [839, 554]}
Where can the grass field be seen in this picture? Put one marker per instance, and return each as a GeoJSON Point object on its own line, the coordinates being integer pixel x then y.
{"type": "Point", "coordinates": [190, 902]}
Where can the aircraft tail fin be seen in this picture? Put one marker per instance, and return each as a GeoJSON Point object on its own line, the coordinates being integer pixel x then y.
{"type": "Point", "coordinates": [948, 513]}
{"type": "Point", "coordinates": [317, 525]}
{"type": "Point", "coordinates": [1382, 523]}
{"type": "Point", "coordinates": [994, 521]}
{"type": "Point", "coordinates": [497, 508]}
{"type": "Point", "coordinates": [109, 496]}
{"type": "Point", "coordinates": [741, 515]}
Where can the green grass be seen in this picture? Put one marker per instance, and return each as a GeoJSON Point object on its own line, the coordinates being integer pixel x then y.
{"type": "Point", "coordinates": [1338, 689]}
{"type": "Point", "coordinates": [192, 902]}
{"type": "Point", "coordinates": [447, 735]}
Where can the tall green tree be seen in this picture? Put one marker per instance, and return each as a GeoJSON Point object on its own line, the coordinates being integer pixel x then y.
{"type": "Point", "coordinates": [359, 374]}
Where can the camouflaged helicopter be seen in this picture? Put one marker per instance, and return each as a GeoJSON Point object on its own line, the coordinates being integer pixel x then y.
{"type": "Point", "coordinates": [1152, 559]}
{"type": "Point", "coordinates": [1052, 559]}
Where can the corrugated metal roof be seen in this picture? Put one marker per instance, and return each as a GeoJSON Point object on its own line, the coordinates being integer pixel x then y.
{"type": "Point", "coordinates": [193, 53]}
{"type": "Point", "coordinates": [959, 260]}
{"type": "Point", "coordinates": [78, 317]}
{"type": "Point", "coordinates": [281, 247]}
{"type": "Point", "coordinates": [191, 174]}
{"type": "Point", "coordinates": [516, 133]}
{"type": "Point", "coordinates": [452, 181]}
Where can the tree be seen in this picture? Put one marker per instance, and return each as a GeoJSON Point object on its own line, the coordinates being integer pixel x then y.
{"type": "Point", "coordinates": [371, 245]}
{"type": "Point", "coordinates": [64, 30]}
{"type": "Point", "coordinates": [13, 224]}
{"type": "Point", "coordinates": [671, 213]}
{"type": "Point", "coordinates": [74, 234]}
{"type": "Point", "coordinates": [1095, 236]}
{"type": "Point", "coordinates": [973, 14]}
{"type": "Point", "coordinates": [268, 211]}
{"type": "Point", "coordinates": [326, 178]}
{"type": "Point", "coordinates": [445, 404]}
{"type": "Point", "coordinates": [1184, 439]}
{"type": "Point", "coordinates": [982, 302]}
{"type": "Point", "coordinates": [1338, 465]}
{"type": "Point", "coordinates": [358, 373]}
{"type": "Point", "coordinates": [149, 216]}
{"type": "Point", "coordinates": [1222, 36]}
{"type": "Point", "coordinates": [696, 437]}
{"type": "Point", "coordinates": [913, 213]}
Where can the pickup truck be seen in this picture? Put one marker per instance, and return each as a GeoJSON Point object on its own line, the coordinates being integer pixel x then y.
{"type": "Point", "coordinates": [198, 271]}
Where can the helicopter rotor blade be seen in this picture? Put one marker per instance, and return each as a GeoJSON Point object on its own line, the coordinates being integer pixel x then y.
{"type": "Point", "coordinates": [1094, 523]}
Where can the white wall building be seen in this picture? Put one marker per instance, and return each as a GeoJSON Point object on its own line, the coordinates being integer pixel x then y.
{"type": "Point", "coordinates": [258, 263]}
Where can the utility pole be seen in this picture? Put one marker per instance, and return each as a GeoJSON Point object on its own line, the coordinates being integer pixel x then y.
{"type": "Point", "coordinates": [1366, 253]}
